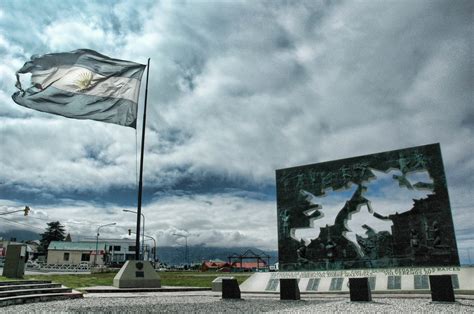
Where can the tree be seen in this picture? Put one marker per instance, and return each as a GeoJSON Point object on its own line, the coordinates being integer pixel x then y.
{"type": "Point", "coordinates": [54, 232]}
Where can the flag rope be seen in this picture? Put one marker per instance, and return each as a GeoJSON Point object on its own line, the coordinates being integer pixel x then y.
{"type": "Point", "coordinates": [136, 160]}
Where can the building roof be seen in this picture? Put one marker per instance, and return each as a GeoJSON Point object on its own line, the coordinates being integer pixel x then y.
{"type": "Point", "coordinates": [214, 264]}
{"type": "Point", "coordinates": [217, 261]}
{"type": "Point", "coordinates": [249, 265]}
{"type": "Point", "coordinates": [75, 246]}
{"type": "Point", "coordinates": [111, 241]}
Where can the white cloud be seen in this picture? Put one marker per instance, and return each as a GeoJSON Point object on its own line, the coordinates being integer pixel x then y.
{"type": "Point", "coordinates": [70, 35]}
{"type": "Point", "coordinates": [215, 220]}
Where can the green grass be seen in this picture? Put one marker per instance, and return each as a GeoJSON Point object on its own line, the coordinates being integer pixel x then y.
{"type": "Point", "coordinates": [195, 279]}
{"type": "Point", "coordinates": [77, 280]}
{"type": "Point", "coordinates": [179, 278]}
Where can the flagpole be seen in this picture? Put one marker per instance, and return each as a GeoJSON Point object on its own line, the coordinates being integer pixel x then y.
{"type": "Point", "coordinates": [140, 182]}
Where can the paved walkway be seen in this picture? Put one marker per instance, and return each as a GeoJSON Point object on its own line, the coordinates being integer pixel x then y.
{"type": "Point", "coordinates": [211, 302]}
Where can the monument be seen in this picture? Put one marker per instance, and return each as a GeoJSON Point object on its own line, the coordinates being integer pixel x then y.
{"type": "Point", "coordinates": [416, 229]}
{"type": "Point", "coordinates": [137, 274]}
{"type": "Point", "coordinates": [378, 223]}
{"type": "Point", "coordinates": [15, 261]}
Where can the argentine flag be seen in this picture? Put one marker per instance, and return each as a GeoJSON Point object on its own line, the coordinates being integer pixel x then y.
{"type": "Point", "coordinates": [82, 84]}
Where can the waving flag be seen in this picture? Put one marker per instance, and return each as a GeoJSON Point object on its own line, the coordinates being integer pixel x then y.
{"type": "Point", "coordinates": [82, 84]}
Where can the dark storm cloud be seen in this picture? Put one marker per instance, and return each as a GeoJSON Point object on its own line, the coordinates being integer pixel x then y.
{"type": "Point", "coordinates": [239, 89]}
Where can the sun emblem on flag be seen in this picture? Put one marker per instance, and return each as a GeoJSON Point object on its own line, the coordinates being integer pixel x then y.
{"type": "Point", "coordinates": [84, 81]}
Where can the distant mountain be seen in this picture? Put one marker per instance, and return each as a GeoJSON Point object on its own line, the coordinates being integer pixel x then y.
{"type": "Point", "coordinates": [19, 235]}
{"type": "Point", "coordinates": [196, 254]}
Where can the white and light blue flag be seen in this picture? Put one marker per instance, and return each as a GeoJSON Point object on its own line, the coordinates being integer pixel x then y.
{"type": "Point", "coordinates": [82, 84]}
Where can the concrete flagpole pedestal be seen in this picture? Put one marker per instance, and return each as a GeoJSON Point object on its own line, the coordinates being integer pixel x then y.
{"type": "Point", "coordinates": [137, 274]}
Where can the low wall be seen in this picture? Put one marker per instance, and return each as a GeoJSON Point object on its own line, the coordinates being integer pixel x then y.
{"type": "Point", "coordinates": [397, 280]}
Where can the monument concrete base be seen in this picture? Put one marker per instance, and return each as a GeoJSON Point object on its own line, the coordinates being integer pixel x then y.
{"type": "Point", "coordinates": [137, 274]}
{"type": "Point", "coordinates": [389, 280]}
{"type": "Point", "coordinates": [15, 261]}
{"type": "Point", "coordinates": [217, 283]}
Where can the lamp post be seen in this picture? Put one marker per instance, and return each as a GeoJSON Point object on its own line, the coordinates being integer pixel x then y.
{"type": "Point", "coordinates": [143, 231]}
{"type": "Point", "coordinates": [186, 245]}
{"type": "Point", "coordinates": [154, 241]}
{"type": "Point", "coordinates": [154, 251]}
{"type": "Point", "coordinates": [97, 241]}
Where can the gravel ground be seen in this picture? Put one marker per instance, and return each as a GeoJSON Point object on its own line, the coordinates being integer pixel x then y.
{"type": "Point", "coordinates": [209, 302]}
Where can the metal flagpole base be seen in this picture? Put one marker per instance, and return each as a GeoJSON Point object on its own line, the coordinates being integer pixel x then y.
{"type": "Point", "coordinates": [137, 274]}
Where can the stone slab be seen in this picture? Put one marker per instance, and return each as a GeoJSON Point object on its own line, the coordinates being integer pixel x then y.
{"type": "Point", "coordinates": [15, 261]}
{"type": "Point", "coordinates": [217, 283]}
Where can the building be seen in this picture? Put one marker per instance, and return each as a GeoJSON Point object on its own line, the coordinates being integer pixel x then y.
{"type": "Point", "coordinates": [249, 266]}
{"type": "Point", "coordinates": [120, 250]}
{"type": "Point", "coordinates": [214, 265]}
{"type": "Point", "coordinates": [110, 252]}
{"type": "Point", "coordinates": [4, 244]}
{"type": "Point", "coordinates": [75, 253]}
{"type": "Point", "coordinates": [3, 247]}
{"type": "Point", "coordinates": [32, 247]}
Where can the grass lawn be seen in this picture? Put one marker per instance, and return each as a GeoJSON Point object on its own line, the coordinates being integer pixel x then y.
{"type": "Point", "coordinates": [178, 278]}
{"type": "Point", "coordinates": [196, 279]}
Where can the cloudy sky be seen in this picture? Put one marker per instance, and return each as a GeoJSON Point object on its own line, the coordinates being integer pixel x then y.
{"type": "Point", "coordinates": [237, 90]}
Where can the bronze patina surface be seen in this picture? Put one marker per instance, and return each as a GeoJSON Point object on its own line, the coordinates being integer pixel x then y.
{"type": "Point", "coordinates": [421, 235]}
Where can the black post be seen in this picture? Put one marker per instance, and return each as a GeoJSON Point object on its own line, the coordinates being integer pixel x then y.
{"type": "Point", "coordinates": [140, 183]}
{"type": "Point", "coordinates": [442, 288]}
{"type": "Point", "coordinates": [359, 289]}
{"type": "Point", "coordinates": [289, 289]}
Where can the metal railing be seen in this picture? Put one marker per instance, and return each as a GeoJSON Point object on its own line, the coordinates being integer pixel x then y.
{"type": "Point", "coordinates": [85, 267]}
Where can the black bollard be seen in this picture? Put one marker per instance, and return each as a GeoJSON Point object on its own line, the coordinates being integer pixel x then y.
{"type": "Point", "coordinates": [441, 288]}
{"type": "Point", "coordinates": [289, 289]}
{"type": "Point", "coordinates": [360, 289]}
{"type": "Point", "coordinates": [230, 289]}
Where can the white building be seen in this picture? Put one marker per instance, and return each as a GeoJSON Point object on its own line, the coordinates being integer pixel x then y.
{"type": "Point", "coordinates": [75, 253]}
{"type": "Point", "coordinates": [118, 250]}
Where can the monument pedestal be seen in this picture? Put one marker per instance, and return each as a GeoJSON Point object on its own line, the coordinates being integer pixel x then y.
{"type": "Point", "coordinates": [15, 261]}
{"type": "Point", "coordinates": [388, 280]}
{"type": "Point", "coordinates": [137, 274]}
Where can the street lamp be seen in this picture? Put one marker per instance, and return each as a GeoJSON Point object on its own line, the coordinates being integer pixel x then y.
{"type": "Point", "coordinates": [154, 241]}
{"type": "Point", "coordinates": [186, 245]}
{"type": "Point", "coordinates": [97, 241]}
{"type": "Point", "coordinates": [154, 251]}
{"type": "Point", "coordinates": [143, 231]}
